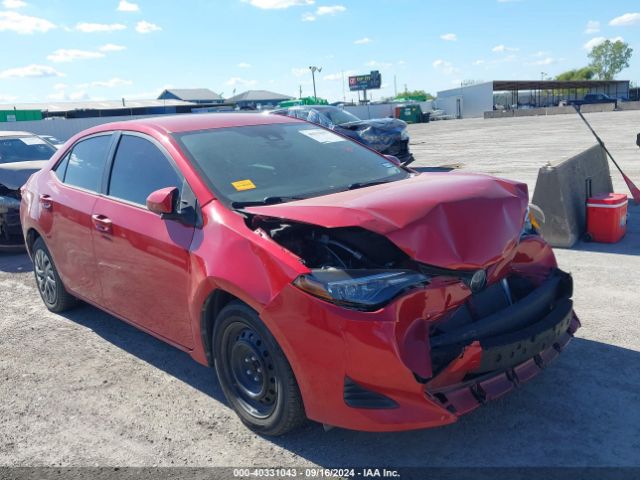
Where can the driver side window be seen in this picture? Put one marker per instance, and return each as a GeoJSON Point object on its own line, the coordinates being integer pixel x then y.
{"type": "Point", "coordinates": [139, 168]}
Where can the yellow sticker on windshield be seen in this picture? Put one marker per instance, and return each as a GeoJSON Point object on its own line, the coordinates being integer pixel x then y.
{"type": "Point", "coordinates": [243, 185]}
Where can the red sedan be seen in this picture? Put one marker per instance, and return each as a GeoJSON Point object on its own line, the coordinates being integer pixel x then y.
{"type": "Point", "coordinates": [318, 277]}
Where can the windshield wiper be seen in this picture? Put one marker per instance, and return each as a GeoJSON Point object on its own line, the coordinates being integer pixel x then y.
{"type": "Point", "coordinates": [356, 185]}
{"type": "Point", "coordinates": [265, 201]}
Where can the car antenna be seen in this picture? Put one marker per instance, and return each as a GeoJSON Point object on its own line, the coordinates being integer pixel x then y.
{"type": "Point", "coordinates": [635, 192]}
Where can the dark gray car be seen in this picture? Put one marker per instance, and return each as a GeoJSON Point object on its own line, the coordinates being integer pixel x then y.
{"type": "Point", "coordinates": [386, 135]}
{"type": "Point", "coordinates": [21, 155]}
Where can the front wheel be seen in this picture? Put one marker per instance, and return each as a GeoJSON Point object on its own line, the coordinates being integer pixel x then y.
{"type": "Point", "coordinates": [54, 295]}
{"type": "Point", "coordinates": [255, 376]}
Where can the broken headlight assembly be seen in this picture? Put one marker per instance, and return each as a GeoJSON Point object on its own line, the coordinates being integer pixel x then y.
{"type": "Point", "coordinates": [533, 219]}
{"type": "Point", "coordinates": [359, 289]}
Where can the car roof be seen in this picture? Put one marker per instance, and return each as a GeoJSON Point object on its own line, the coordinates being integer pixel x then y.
{"type": "Point", "coordinates": [193, 122]}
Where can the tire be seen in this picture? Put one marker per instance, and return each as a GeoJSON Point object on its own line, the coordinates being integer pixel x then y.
{"type": "Point", "coordinates": [254, 374]}
{"type": "Point", "coordinates": [54, 295]}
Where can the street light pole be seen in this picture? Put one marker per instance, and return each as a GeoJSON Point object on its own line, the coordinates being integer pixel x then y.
{"type": "Point", "coordinates": [313, 77]}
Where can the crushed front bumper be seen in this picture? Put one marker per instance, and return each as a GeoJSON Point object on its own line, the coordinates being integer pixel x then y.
{"type": "Point", "coordinates": [376, 371]}
{"type": "Point", "coordinates": [467, 396]}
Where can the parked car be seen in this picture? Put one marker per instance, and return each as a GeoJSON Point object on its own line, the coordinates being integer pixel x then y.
{"type": "Point", "coordinates": [21, 154]}
{"type": "Point", "coordinates": [386, 135]}
{"type": "Point", "coordinates": [57, 143]}
{"type": "Point", "coordinates": [594, 98]}
{"type": "Point", "coordinates": [320, 279]}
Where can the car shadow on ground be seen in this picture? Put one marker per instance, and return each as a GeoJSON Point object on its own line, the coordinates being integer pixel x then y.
{"type": "Point", "coordinates": [580, 411]}
{"type": "Point", "coordinates": [148, 348]}
{"type": "Point", "coordinates": [15, 263]}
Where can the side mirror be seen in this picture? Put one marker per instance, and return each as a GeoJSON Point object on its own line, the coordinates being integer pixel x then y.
{"type": "Point", "coordinates": [393, 159]}
{"type": "Point", "coordinates": [162, 201]}
{"type": "Point", "coordinates": [638, 140]}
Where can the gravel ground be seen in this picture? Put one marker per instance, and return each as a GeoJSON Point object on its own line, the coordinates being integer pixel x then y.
{"type": "Point", "coordinates": [84, 389]}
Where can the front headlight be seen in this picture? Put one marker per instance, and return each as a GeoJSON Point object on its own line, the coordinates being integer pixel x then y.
{"type": "Point", "coordinates": [404, 134]}
{"type": "Point", "coordinates": [533, 219]}
{"type": "Point", "coordinates": [359, 289]}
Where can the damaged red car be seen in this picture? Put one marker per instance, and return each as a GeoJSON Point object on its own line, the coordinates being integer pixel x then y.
{"type": "Point", "coordinates": [318, 277]}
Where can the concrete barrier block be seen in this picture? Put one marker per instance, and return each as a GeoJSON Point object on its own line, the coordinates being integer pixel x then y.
{"type": "Point", "coordinates": [498, 114]}
{"type": "Point", "coordinates": [560, 110]}
{"type": "Point", "coordinates": [561, 193]}
{"type": "Point", "coordinates": [526, 112]}
{"type": "Point", "coordinates": [629, 105]}
{"type": "Point", "coordinates": [597, 107]}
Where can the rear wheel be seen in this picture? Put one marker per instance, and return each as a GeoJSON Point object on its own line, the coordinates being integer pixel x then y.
{"type": "Point", "coordinates": [254, 374]}
{"type": "Point", "coordinates": [54, 295]}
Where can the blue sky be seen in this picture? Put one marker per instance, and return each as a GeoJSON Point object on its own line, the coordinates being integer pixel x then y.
{"type": "Point", "coordinates": [55, 50]}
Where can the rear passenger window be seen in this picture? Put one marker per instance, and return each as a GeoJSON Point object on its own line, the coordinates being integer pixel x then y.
{"type": "Point", "coordinates": [86, 163]}
{"type": "Point", "coordinates": [140, 168]}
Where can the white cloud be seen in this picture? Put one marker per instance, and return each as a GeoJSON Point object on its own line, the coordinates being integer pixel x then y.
{"type": "Point", "coordinates": [449, 37]}
{"type": "Point", "coordinates": [595, 41]}
{"type": "Point", "coordinates": [244, 65]}
{"type": "Point", "coordinates": [444, 67]}
{"type": "Point", "coordinates": [299, 72]}
{"type": "Point", "coordinates": [625, 20]}
{"type": "Point", "coordinates": [125, 6]}
{"type": "Point", "coordinates": [593, 26]}
{"type": "Point", "coordinates": [86, 27]}
{"type": "Point", "coordinates": [502, 48]}
{"type": "Point", "coordinates": [508, 1]}
{"type": "Point", "coordinates": [308, 17]}
{"type": "Point", "coordinates": [479, 62]}
{"type": "Point", "coordinates": [545, 61]}
{"type": "Point", "coordinates": [110, 47]}
{"type": "Point", "coordinates": [540, 53]}
{"type": "Point", "coordinates": [70, 55]}
{"type": "Point", "coordinates": [363, 41]}
{"type": "Point", "coordinates": [23, 24]}
{"type": "Point", "coordinates": [7, 98]}
{"type": "Point", "coordinates": [376, 64]}
{"type": "Point", "coordinates": [278, 4]}
{"type": "Point", "coordinates": [330, 10]}
{"type": "Point", "coordinates": [112, 83]}
{"type": "Point", "coordinates": [235, 81]}
{"type": "Point", "coordinates": [146, 27]}
{"type": "Point", "coordinates": [31, 71]}
{"type": "Point", "coordinates": [79, 95]}
{"type": "Point", "coordinates": [333, 77]}
{"type": "Point", "coordinates": [14, 4]}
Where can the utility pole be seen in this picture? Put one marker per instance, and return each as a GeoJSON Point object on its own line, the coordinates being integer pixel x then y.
{"type": "Point", "coordinates": [395, 87]}
{"type": "Point", "coordinates": [300, 96]}
{"type": "Point", "coordinates": [314, 69]}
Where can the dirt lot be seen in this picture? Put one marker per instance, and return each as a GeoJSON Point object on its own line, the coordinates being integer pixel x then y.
{"type": "Point", "coordinates": [86, 389]}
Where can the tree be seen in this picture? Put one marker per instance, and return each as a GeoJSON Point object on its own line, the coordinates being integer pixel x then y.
{"type": "Point", "coordinates": [610, 58]}
{"type": "Point", "coordinates": [584, 73]}
{"type": "Point", "coordinates": [415, 93]}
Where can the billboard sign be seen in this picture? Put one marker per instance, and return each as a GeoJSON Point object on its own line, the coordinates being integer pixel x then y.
{"type": "Point", "coordinates": [365, 82]}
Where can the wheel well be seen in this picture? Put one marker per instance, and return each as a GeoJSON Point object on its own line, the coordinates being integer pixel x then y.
{"type": "Point", "coordinates": [215, 302]}
{"type": "Point", "coordinates": [32, 236]}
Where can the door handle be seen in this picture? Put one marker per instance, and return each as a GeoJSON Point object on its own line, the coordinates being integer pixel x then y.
{"type": "Point", "coordinates": [101, 223]}
{"type": "Point", "coordinates": [45, 201]}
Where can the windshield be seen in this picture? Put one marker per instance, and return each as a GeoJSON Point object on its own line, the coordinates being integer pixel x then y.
{"type": "Point", "coordinates": [281, 162]}
{"type": "Point", "coordinates": [22, 149]}
{"type": "Point", "coordinates": [338, 116]}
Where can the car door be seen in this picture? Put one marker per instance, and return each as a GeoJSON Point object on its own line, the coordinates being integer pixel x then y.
{"type": "Point", "coordinates": [66, 201]}
{"type": "Point", "coordinates": [143, 259]}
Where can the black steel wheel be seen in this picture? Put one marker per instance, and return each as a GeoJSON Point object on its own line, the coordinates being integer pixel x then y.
{"type": "Point", "coordinates": [255, 376]}
{"type": "Point", "coordinates": [54, 295]}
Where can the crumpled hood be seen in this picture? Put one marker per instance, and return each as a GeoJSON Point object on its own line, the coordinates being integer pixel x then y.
{"type": "Point", "coordinates": [14, 175]}
{"type": "Point", "coordinates": [378, 133]}
{"type": "Point", "coordinates": [448, 220]}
